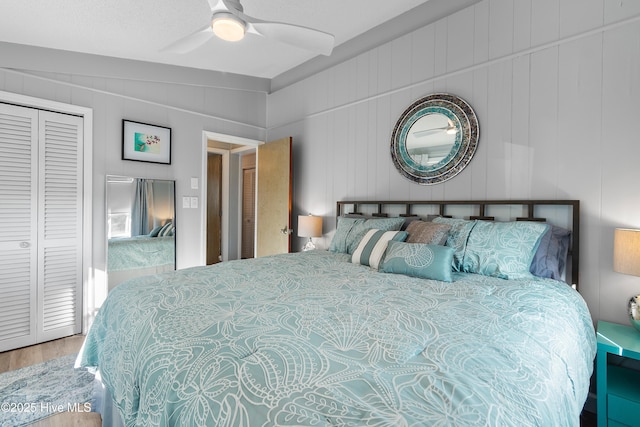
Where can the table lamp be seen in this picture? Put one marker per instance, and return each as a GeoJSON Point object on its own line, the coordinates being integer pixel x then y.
{"type": "Point", "coordinates": [309, 226]}
{"type": "Point", "coordinates": [626, 260]}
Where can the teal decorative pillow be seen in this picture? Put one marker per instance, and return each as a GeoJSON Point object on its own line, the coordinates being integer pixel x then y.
{"type": "Point", "coordinates": [351, 230]}
{"type": "Point", "coordinates": [458, 236]}
{"type": "Point", "coordinates": [155, 231]}
{"type": "Point", "coordinates": [419, 260]}
{"type": "Point", "coordinates": [503, 249]}
{"type": "Point", "coordinates": [373, 245]}
{"type": "Point", "coordinates": [341, 237]}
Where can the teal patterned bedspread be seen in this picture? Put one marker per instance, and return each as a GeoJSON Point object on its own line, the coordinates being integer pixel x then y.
{"type": "Point", "coordinates": [140, 252]}
{"type": "Point", "coordinates": [311, 339]}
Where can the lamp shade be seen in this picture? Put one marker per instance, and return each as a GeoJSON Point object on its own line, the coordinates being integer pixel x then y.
{"type": "Point", "coordinates": [626, 251]}
{"type": "Point", "coordinates": [309, 226]}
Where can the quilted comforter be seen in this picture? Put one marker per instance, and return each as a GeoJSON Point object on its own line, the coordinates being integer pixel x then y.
{"type": "Point", "coordinates": [311, 339]}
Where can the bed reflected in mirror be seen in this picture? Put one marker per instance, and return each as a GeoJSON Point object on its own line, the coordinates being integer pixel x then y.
{"type": "Point", "coordinates": [140, 227]}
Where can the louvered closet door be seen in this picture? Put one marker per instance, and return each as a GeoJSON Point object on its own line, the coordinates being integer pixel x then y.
{"type": "Point", "coordinates": [60, 226]}
{"type": "Point", "coordinates": [18, 220]}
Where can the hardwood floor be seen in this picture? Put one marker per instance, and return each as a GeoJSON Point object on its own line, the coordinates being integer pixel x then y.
{"type": "Point", "coordinates": [22, 357]}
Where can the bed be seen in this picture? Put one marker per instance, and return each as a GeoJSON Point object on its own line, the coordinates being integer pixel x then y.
{"type": "Point", "coordinates": [323, 338]}
{"type": "Point", "coordinates": [130, 257]}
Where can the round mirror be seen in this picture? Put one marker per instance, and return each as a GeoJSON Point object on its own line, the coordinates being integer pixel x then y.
{"type": "Point", "coordinates": [434, 139]}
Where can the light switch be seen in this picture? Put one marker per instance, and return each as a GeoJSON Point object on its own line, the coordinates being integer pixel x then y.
{"type": "Point", "coordinates": [194, 203]}
{"type": "Point", "coordinates": [186, 202]}
{"type": "Point", "coordinates": [194, 183]}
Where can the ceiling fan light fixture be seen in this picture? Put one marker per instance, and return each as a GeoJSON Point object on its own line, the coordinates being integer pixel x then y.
{"type": "Point", "coordinates": [228, 27]}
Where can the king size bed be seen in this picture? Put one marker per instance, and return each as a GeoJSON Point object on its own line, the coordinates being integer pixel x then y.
{"type": "Point", "coordinates": [435, 323]}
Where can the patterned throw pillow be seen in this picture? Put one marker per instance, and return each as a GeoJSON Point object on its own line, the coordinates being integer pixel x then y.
{"type": "Point", "coordinates": [373, 246]}
{"type": "Point", "coordinates": [427, 232]}
{"type": "Point", "coordinates": [419, 260]}
{"type": "Point", "coordinates": [341, 237]}
{"type": "Point", "coordinates": [458, 236]}
{"type": "Point", "coordinates": [503, 249]}
{"type": "Point", "coordinates": [350, 231]}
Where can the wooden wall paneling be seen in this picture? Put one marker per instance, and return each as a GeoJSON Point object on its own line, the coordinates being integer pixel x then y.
{"type": "Point", "coordinates": [349, 146]}
{"type": "Point", "coordinates": [422, 53]}
{"type": "Point", "coordinates": [384, 68]}
{"type": "Point", "coordinates": [401, 61]}
{"type": "Point", "coordinates": [521, 25]}
{"type": "Point", "coordinates": [361, 70]}
{"type": "Point", "coordinates": [371, 154]}
{"type": "Point", "coordinates": [480, 103]}
{"type": "Point", "coordinates": [497, 126]}
{"type": "Point", "coordinates": [500, 28]}
{"type": "Point", "coordinates": [341, 83]}
{"type": "Point", "coordinates": [481, 32]}
{"type": "Point", "coordinates": [440, 47]}
{"type": "Point", "coordinates": [521, 173]}
{"type": "Point", "coordinates": [590, 16]}
{"type": "Point", "coordinates": [543, 130]}
{"type": "Point", "coordinates": [579, 124]}
{"type": "Point", "coordinates": [580, 136]}
{"type": "Point", "coordinates": [615, 11]}
{"type": "Point", "coordinates": [382, 161]}
{"type": "Point", "coordinates": [545, 21]}
{"type": "Point", "coordinates": [460, 32]}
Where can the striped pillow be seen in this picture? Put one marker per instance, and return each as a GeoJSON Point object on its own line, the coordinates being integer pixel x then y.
{"type": "Point", "coordinates": [371, 248]}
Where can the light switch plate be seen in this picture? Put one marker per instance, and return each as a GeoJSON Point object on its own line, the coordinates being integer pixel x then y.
{"type": "Point", "coordinates": [194, 203]}
{"type": "Point", "coordinates": [186, 202]}
{"type": "Point", "coordinates": [194, 183]}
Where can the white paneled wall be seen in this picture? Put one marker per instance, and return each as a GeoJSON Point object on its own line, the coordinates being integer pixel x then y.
{"type": "Point", "coordinates": [555, 85]}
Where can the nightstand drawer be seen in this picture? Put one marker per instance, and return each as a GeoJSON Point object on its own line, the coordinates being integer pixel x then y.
{"type": "Point", "coordinates": [623, 411]}
{"type": "Point", "coordinates": [623, 403]}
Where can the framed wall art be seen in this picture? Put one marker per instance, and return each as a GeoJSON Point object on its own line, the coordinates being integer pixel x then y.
{"type": "Point", "coordinates": [146, 143]}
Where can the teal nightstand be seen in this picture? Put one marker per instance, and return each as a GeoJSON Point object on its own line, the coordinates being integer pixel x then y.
{"type": "Point", "coordinates": [618, 387]}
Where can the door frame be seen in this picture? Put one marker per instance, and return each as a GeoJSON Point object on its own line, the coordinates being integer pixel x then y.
{"type": "Point", "coordinates": [244, 144]}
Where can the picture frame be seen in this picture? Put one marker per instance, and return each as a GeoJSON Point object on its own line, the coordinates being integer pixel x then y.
{"type": "Point", "coordinates": [144, 142]}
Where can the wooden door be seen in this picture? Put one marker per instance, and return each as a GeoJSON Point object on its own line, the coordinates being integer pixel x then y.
{"type": "Point", "coordinates": [248, 212]}
{"type": "Point", "coordinates": [214, 208]}
{"type": "Point", "coordinates": [274, 198]}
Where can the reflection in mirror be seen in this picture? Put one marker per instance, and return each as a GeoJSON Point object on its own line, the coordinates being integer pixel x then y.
{"type": "Point", "coordinates": [140, 227]}
{"type": "Point", "coordinates": [430, 139]}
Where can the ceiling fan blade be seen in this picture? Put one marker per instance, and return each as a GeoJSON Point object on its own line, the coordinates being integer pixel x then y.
{"type": "Point", "coordinates": [190, 42]}
{"type": "Point", "coordinates": [294, 35]}
{"type": "Point", "coordinates": [218, 5]}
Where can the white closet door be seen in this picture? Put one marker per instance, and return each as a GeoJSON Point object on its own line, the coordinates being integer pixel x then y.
{"type": "Point", "coordinates": [18, 220]}
{"type": "Point", "coordinates": [60, 226]}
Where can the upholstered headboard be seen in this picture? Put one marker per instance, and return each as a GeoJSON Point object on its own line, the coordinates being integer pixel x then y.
{"type": "Point", "coordinates": [562, 213]}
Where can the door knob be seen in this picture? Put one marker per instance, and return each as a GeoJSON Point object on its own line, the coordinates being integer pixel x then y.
{"type": "Point", "coordinates": [286, 230]}
{"type": "Point", "coordinates": [25, 245]}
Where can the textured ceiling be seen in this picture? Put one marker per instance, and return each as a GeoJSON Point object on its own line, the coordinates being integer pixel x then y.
{"type": "Point", "coordinates": [139, 29]}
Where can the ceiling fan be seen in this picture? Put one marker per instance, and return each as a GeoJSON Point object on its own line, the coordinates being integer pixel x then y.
{"type": "Point", "coordinates": [229, 23]}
